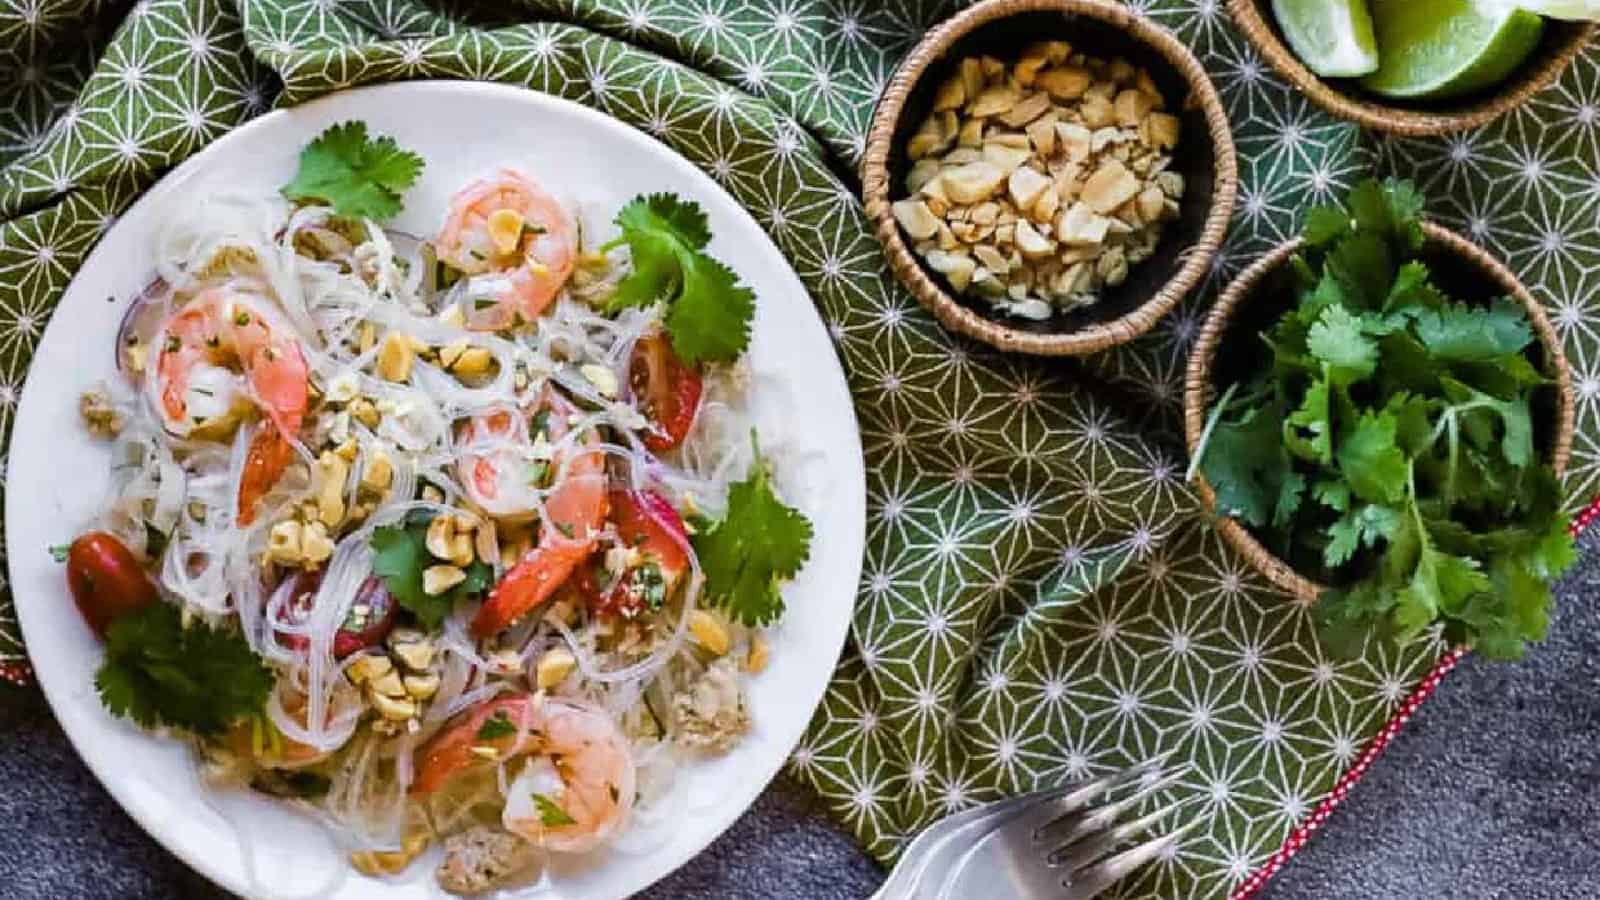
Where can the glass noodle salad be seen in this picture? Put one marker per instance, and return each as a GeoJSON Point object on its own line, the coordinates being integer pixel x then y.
{"type": "Point", "coordinates": [461, 540]}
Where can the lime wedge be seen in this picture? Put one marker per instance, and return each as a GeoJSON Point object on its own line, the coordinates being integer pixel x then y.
{"type": "Point", "coordinates": [1437, 49]}
{"type": "Point", "coordinates": [1332, 37]}
{"type": "Point", "coordinates": [1570, 10]}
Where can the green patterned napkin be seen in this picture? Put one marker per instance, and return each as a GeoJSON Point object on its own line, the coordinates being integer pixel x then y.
{"type": "Point", "coordinates": [1042, 598]}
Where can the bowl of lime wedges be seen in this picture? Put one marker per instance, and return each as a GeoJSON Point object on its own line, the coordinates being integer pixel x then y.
{"type": "Point", "coordinates": [1416, 67]}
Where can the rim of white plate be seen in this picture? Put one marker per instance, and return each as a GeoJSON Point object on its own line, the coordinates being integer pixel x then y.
{"type": "Point", "coordinates": [847, 488]}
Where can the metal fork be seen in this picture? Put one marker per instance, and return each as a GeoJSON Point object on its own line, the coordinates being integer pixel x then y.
{"type": "Point", "coordinates": [1050, 844]}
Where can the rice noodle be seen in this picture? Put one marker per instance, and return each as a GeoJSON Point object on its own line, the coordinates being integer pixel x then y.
{"type": "Point", "coordinates": [338, 289]}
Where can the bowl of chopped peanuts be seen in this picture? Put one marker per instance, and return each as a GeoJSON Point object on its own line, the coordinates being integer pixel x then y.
{"type": "Point", "coordinates": [1050, 176]}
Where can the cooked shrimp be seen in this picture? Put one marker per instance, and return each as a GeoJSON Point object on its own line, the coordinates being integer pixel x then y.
{"type": "Point", "coordinates": [224, 353]}
{"type": "Point", "coordinates": [577, 789]}
{"type": "Point", "coordinates": [574, 508]}
{"type": "Point", "coordinates": [499, 467]}
{"type": "Point", "coordinates": [577, 764]}
{"type": "Point", "coordinates": [515, 242]}
{"type": "Point", "coordinates": [269, 455]}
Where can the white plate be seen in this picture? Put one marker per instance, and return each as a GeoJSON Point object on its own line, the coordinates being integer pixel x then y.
{"type": "Point", "coordinates": [58, 476]}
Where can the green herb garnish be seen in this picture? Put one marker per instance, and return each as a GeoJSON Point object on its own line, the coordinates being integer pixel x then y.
{"type": "Point", "coordinates": [536, 473]}
{"type": "Point", "coordinates": [400, 555]}
{"type": "Point", "coordinates": [1383, 442]}
{"type": "Point", "coordinates": [757, 544]}
{"type": "Point", "coordinates": [540, 424]}
{"type": "Point", "coordinates": [198, 678]}
{"type": "Point", "coordinates": [709, 311]}
{"type": "Point", "coordinates": [650, 585]}
{"type": "Point", "coordinates": [496, 726]}
{"type": "Point", "coordinates": [551, 815]}
{"type": "Point", "coordinates": [358, 177]}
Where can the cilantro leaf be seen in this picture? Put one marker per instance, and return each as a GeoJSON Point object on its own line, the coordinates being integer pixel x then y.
{"type": "Point", "coordinates": [1290, 494]}
{"type": "Point", "coordinates": [551, 815]}
{"type": "Point", "coordinates": [1246, 466]}
{"type": "Point", "coordinates": [1325, 224]}
{"type": "Point", "coordinates": [1362, 527]}
{"type": "Point", "coordinates": [400, 555]}
{"type": "Point", "coordinates": [1364, 266]}
{"type": "Point", "coordinates": [1371, 462]}
{"type": "Point", "coordinates": [758, 542]}
{"type": "Point", "coordinates": [1476, 412]}
{"type": "Point", "coordinates": [1442, 582]}
{"type": "Point", "coordinates": [1413, 429]}
{"type": "Point", "coordinates": [657, 272]}
{"type": "Point", "coordinates": [1305, 432]}
{"type": "Point", "coordinates": [1555, 553]}
{"type": "Point", "coordinates": [667, 216]}
{"type": "Point", "coordinates": [1335, 495]}
{"type": "Point", "coordinates": [1413, 288]}
{"type": "Point", "coordinates": [158, 672]}
{"type": "Point", "coordinates": [1369, 207]}
{"type": "Point", "coordinates": [1459, 333]}
{"type": "Point", "coordinates": [1384, 443]}
{"type": "Point", "coordinates": [709, 311]}
{"type": "Point", "coordinates": [358, 177]}
{"type": "Point", "coordinates": [1348, 617]}
{"type": "Point", "coordinates": [711, 319]}
{"type": "Point", "coordinates": [1339, 342]}
{"type": "Point", "coordinates": [1405, 210]}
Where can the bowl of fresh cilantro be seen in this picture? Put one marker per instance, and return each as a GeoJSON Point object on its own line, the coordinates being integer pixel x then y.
{"type": "Point", "coordinates": [1379, 414]}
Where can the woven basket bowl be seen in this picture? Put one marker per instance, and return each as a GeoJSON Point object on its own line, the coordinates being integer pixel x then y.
{"type": "Point", "coordinates": [1562, 42]}
{"type": "Point", "coordinates": [1463, 270]}
{"type": "Point", "coordinates": [1205, 157]}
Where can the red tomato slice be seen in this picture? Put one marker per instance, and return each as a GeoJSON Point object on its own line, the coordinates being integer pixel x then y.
{"type": "Point", "coordinates": [647, 521]}
{"type": "Point", "coordinates": [353, 635]}
{"type": "Point", "coordinates": [667, 388]}
{"type": "Point", "coordinates": [106, 580]}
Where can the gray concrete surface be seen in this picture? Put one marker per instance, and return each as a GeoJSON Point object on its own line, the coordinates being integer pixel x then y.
{"type": "Point", "coordinates": [1493, 791]}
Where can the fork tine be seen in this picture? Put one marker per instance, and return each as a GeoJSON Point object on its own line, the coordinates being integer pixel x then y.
{"type": "Point", "coordinates": [1091, 881]}
{"type": "Point", "coordinates": [1093, 846]}
{"type": "Point", "coordinates": [1064, 831]}
{"type": "Point", "coordinates": [1081, 796]}
{"type": "Point", "coordinates": [929, 855]}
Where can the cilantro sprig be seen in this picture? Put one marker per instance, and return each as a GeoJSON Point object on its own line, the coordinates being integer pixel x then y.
{"type": "Point", "coordinates": [158, 672]}
{"type": "Point", "coordinates": [757, 544]}
{"type": "Point", "coordinates": [400, 555]}
{"type": "Point", "coordinates": [708, 310]}
{"type": "Point", "coordinates": [1381, 439]}
{"type": "Point", "coordinates": [359, 177]}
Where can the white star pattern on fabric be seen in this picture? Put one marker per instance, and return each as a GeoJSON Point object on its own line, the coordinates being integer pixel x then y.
{"type": "Point", "coordinates": [1041, 598]}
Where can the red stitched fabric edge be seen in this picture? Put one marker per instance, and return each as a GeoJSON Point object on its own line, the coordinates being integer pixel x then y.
{"type": "Point", "coordinates": [1253, 884]}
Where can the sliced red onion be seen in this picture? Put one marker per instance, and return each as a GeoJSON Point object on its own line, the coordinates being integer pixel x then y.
{"type": "Point", "coordinates": [134, 327]}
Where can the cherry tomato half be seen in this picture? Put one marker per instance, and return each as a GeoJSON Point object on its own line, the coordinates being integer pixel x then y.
{"type": "Point", "coordinates": [106, 580]}
{"type": "Point", "coordinates": [360, 629]}
{"type": "Point", "coordinates": [647, 522]}
{"type": "Point", "coordinates": [667, 388]}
